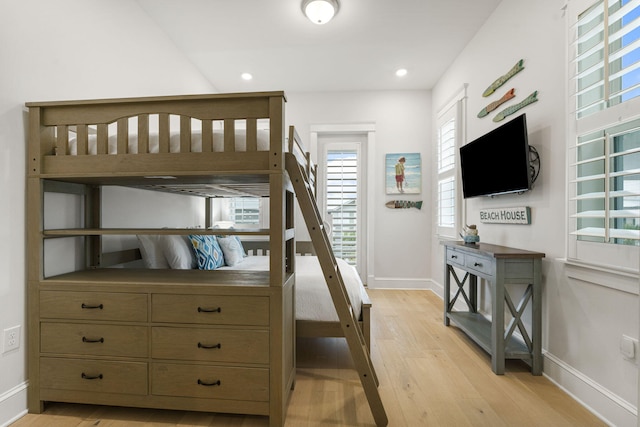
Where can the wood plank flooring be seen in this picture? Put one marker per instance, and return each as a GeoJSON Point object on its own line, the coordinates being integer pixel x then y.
{"type": "Point", "coordinates": [430, 375]}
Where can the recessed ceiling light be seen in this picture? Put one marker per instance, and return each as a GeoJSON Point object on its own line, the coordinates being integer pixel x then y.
{"type": "Point", "coordinates": [401, 72]}
{"type": "Point", "coordinates": [246, 76]}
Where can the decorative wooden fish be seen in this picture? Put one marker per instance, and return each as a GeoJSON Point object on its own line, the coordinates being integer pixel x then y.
{"type": "Point", "coordinates": [403, 204]}
{"type": "Point", "coordinates": [512, 109]}
{"type": "Point", "coordinates": [495, 104]}
{"type": "Point", "coordinates": [503, 79]}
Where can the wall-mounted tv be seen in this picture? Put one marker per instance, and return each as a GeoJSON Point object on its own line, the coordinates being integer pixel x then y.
{"type": "Point", "coordinates": [497, 162]}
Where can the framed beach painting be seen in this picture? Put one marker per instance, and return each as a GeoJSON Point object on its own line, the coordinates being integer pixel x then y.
{"type": "Point", "coordinates": [403, 173]}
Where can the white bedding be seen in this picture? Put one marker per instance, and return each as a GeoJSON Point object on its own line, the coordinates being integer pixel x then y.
{"type": "Point", "coordinates": [174, 142]}
{"type": "Point", "coordinates": [313, 300]}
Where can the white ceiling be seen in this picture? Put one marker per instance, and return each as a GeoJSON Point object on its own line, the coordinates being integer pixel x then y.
{"type": "Point", "coordinates": [360, 49]}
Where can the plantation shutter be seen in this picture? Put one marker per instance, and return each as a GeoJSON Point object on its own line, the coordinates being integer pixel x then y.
{"type": "Point", "coordinates": [607, 185]}
{"type": "Point", "coordinates": [607, 55]}
{"type": "Point", "coordinates": [342, 201]}
{"type": "Point", "coordinates": [245, 210]}
{"type": "Point", "coordinates": [449, 135]}
{"type": "Point", "coordinates": [604, 129]}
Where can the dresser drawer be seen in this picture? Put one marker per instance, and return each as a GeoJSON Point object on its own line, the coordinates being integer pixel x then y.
{"type": "Point", "coordinates": [210, 309]}
{"type": "Point", "coordinates": [89, 339]}
{"type": "Point", "coordinates": [479, 264]}
{"type": "Point", "coordinates": [93, 306]}
{"type": "Point", "coordinates": [210, 344]}
{"type": "Point", "coordinates": [213, 382]}
{"type": "Point", "coordinates": [455, 257]}
{"type": "Point", "coordinates": [94, 376]}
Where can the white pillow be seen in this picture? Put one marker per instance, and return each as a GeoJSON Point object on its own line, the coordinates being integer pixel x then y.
{"type": "Point", "coordinates": [178, 252]}
{"type": "Point", "coordinates": [232, 249]}
{"type": "Point", "coordinates": [151, 250]}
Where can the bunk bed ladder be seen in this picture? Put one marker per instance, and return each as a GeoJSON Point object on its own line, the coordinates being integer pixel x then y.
{"type": "Point", "coordinates": [322, 245]}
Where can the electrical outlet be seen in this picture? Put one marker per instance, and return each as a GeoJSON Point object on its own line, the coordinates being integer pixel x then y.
{"type": "Point", "coordinates": [628, 347]}
{"type": "Point", "coordinates": [11, 339]}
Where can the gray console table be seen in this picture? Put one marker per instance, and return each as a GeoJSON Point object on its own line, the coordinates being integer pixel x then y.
{"type": "Point", "coordinates": [499, 266]}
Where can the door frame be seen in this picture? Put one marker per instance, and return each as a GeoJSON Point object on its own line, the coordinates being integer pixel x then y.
{"type": "Point", "coordinates": [366, 130]}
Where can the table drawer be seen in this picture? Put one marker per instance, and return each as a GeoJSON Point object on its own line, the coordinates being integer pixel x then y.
{"type": "Point", "coordinates": [213, 382]}
{"type": "Point", "coordinates": [90, 339]}
{"type": "Point", "coordinates": [93, 306]}
{"type": "Point", "coordinates": [455, 257]}
{"type": "Point", "coordinates": [210, 344]}
{"type": "Point", "coordinates": [210, 309]}
{"type": "Point", "coordinates": [479, 264]}
{"type": "Point", "coordinates": [94, 376]}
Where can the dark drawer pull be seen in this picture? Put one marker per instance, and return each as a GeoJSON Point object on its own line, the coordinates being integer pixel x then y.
{"type": "Point", "coordinates": [454, 256]}
{"type": "Point", "coordinates": [92, 307]}
{"type": "Point", "coordinates": [90, 340]}
{"type": "Point", "coordinates": [91, 377]}
{"type": "Point", "coordinates": [477, 264]}
{"type": "Point", "coordinates": [209, 346]}
{"type": "Point", "coordinates": [209, 310]}
{"type": "Point", "coordinates": [209, 384]}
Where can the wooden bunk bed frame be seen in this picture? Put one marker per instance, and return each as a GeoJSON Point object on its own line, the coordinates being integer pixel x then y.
{"type": "Point", "coordinates": [218, 341]}
{"type": "Point", "coordinates": [117, 336]}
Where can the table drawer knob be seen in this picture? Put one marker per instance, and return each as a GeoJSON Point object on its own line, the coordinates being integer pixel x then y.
{"type": "Point", "coordinates": [92, 340]}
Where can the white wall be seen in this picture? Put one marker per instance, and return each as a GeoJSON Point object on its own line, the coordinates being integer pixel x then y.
{"type": "Point", "coordinates": [583, 321]}
{"type": "Point", "coordinates": [67, 49]}
{"type": "Point", "coordinates": [402, 124]}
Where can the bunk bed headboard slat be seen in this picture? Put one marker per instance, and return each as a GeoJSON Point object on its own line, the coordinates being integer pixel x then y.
{"type": "Point", "coordinates": [143, 133]}
{"type": "Point", "coordinates": [229, 135]}
{"type": "Point", "coordinates": [62, 140]}
{"type": "Point", "coordinates": [252, 135]}
{"type": "Point", "coordinates": [123, 135]}
{"type": "Point", "coordinates": [102, 138]}
{"type": "Point", "coordinates": [163, 133]}
{"type": "Point", "coordinates": [207, 136]}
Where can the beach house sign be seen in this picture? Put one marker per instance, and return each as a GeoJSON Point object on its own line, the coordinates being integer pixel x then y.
{"type": "Point", "coordinates": [520, 215]}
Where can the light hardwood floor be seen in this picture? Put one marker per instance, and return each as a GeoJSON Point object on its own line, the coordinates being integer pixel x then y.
{"type": "Point", "coordinates": [430, 375]}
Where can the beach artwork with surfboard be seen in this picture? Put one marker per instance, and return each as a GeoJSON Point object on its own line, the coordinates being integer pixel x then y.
{"type": "Point", "coordinates": [403, 173]}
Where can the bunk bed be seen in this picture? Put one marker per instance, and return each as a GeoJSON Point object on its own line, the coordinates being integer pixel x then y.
{"type": "Point", "coordinates": [143, 337]}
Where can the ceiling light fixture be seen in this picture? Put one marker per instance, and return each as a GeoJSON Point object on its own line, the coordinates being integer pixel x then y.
{"type": "Point", "coordinates": [246, 76]}
{"type": "Point", "coordinates": [320, 11]}
{"type": "Point", "coordinates": [401, 72]}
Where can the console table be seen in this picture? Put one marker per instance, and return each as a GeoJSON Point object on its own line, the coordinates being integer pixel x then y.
{"type": "Point", "coordinates": [499, 266]}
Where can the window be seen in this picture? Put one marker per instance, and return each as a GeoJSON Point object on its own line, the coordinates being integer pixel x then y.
{"type": "Point", "coordinates": [245, 210]}
{"type": "Point", "coordinates": [607, 170]}
{"type": "Point", "coordinates": [607, 55]}
{"type": "Point", "coordinates": [241, 212]}
{"type": "Point", "coordinates": [604, 127]}
{"type": "Point", "coordinates": [342, 201]}
{"type": "Point", "coordinates": [449, 135]}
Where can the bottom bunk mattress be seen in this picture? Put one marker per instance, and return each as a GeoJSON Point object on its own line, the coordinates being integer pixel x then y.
{"type": "Point", "coordinates": [313, 299]}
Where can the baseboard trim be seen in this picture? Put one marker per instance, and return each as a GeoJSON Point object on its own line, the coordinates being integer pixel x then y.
{"type": "Point", "coordinates": [603, 403]}
{"type": "Point", "coordinates": [397, 283]}
{"type": "Point", "coordinates": [13, 404]}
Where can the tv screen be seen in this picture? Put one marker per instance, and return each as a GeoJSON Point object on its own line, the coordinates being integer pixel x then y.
{"type": "Point", "coordinates": [497, 162]}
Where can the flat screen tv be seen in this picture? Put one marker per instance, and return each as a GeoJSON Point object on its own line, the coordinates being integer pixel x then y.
{"type": "Point", "coordinates": [497, 162]}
